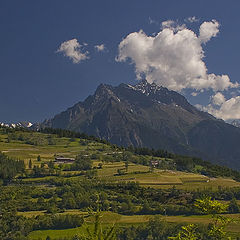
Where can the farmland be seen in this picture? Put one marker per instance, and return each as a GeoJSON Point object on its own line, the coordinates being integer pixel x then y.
{"type": "Point", "coordinates": [129, 190]}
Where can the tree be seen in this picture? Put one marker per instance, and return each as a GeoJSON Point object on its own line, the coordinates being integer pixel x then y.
{"type": "Point", "coordinates": [126, 166]}
{"type": "Point", "coordinates": [188, 232]}
{"type": "Point", "coordinates": [97, 233]}
{"type": "Point", "coordinates": [233, 206]}
{"type": "Point", "coordinates": [30, 164]}
{"type": "Point", "coordinates": [38, 158]}
{"type": "Point", "coordinates": [51, 167]}
{"type": "Point", "coordinates": [10, 167]}
{"type": "Point", "coordinates": [216, 229]}
{"type": "Point", "coordinates": [120, 171]}
{"type": "Point", "coordinates": [82, 163]}
{"type": "Point", "coordinates": [51, 164]}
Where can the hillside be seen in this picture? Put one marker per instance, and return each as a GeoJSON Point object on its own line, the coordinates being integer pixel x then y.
{"type": "Point", "coordinates": [152, 116]}
{"type": "Point", "coordinates": [44, 147]}
{"type": "Point", "coordinates": [52, 197]}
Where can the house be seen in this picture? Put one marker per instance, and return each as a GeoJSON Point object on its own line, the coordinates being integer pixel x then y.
{"type": "Point", "coordinates": [62, 159]}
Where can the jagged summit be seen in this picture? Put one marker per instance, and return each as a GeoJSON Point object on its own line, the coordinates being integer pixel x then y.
{"type": "Point", "coordinates": [147, 88]}
{"type": "Point", "coordinates": [234, 122]}
{"type": "Point", "coordinates": [160, 94]}
{"type": "Point", "coordinates": [139, 92]}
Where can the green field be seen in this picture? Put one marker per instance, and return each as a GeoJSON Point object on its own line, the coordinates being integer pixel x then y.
{"type": "Point", "coordinates": [163, 178]}
{"type": "Point", "coordinates": [62, 146]}
{"type": "Point", "coordinates": [109, 219]}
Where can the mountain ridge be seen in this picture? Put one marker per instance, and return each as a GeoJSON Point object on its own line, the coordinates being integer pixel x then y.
{"type": "Point", "coordinates": [152, 116]}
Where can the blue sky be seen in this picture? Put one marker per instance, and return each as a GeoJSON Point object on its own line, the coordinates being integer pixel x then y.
{"type": "Point", "coordinates": [38, 81]}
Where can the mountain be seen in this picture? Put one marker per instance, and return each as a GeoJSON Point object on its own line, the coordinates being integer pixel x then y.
{"type": "Point", "coordinates": [235, 122]}
{"type": "Point", "coordinates": [23, 124]}
{"type": "Point", "coordinates": [155, 117]}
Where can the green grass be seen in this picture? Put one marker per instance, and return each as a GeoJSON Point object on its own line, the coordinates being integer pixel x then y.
{"type": "Point", "coordinates": [64, 146]}
{"type": "Point", "coordinates": [109, 219]}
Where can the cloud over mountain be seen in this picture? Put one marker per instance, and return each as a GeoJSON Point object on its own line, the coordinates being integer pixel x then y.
{"type": "Point", "coordinates": [74, 50]}
{"type": "Point", "coordinates": [174, 57]}
{"type": "Point", "coordinates": [222, 108]}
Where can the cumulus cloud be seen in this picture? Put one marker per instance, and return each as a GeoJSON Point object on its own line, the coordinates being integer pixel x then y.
{"type": "Point", "coordinates": [100, 47]}
{"type": "Point", "coordinates": [174, 57]}
{"type": "Point", "coordinates": [73, 50]}
{"type": "Point", "coordinates": [218, 99]}
{"type": "Point", "coordinates": [208, 30]}
{"type": "Point", "coordinates": [222, 108]}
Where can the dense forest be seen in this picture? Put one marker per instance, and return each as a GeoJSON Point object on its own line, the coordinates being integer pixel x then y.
{"type": "Point", "coordinates": [9, 168]}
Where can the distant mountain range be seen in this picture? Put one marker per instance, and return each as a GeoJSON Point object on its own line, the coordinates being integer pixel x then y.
{"type": "Point", "coordinates": [23, 124]}
{"type": "Point", "coordinates": [155, 117]}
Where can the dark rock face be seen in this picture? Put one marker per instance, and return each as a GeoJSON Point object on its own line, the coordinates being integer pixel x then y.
{"type": "Point", "coordinates": [152, 116]}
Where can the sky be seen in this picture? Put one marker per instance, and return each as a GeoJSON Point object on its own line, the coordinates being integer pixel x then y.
{"type": "Point", "coordinates": [55, 53]}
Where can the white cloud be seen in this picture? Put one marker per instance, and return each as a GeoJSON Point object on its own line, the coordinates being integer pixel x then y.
{"type": "Point", "coordinates": [100, 47]}
{"type": "Point", "coordinates": [173, 58]}
{"type": "Point", "coordinates": [172, 25]}
{"type": "Point", "coordinates": [208, 30]}
{"type": "Point", "coordinates": [167, 24]}
{"type": "Point", "coordinates": [218, 99]}
{"type": "Point", "coordinates": [73, 50]}
{"type": "Point", "coordinates": [192, 19]}
{"type": "Point", "coordinates": [222, 108]}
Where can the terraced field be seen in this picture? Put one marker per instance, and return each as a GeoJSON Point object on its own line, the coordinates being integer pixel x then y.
{"type": "Point", "coordinates": [162, 178]}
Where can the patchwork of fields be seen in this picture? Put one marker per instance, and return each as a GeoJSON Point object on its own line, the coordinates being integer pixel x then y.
{"type": "Point", "coordinates": [109, 166]}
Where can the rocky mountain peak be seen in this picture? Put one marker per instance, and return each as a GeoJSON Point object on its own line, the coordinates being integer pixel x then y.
{"type": "Point", "coordinates": [147, 88]}
{"type": "Point", "coordinates": [160, 94]}
{"type": "Point", "coordinates": [235, 122]}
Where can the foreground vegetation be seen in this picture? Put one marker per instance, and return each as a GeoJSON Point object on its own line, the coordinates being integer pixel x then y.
{"type": "Point", "coordinates": [139, 191]}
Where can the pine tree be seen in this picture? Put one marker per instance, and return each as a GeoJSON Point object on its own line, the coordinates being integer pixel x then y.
{"type": "Point", "coordinates": [30, 164]}
{"type": "Point", "coordinates": [38, 158]}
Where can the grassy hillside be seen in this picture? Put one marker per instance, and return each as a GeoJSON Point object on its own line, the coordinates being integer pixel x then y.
{"type": "Point", "coordinates": [123, 183]}
{"type": "Point", "coordinates": [30, 145]}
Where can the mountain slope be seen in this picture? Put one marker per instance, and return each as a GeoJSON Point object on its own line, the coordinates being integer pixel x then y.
{"type": "Point", "coordinates": [152, 116]}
